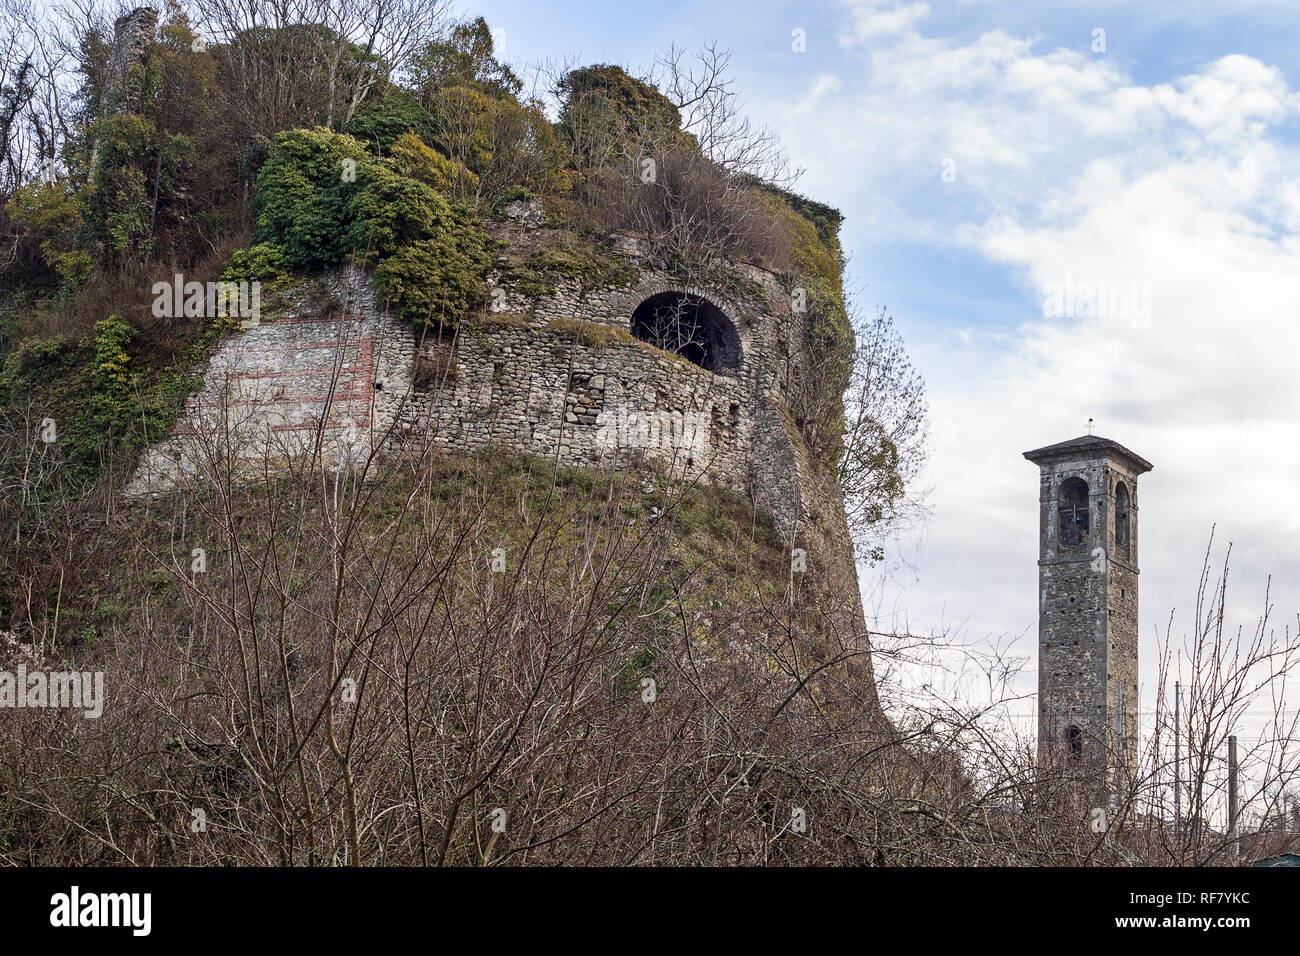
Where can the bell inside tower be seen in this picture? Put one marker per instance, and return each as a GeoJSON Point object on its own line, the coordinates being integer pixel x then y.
{"type": "Point", "coordinates": [1072, 513]}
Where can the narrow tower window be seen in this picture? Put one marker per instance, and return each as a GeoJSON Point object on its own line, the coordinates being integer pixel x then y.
{"type": "Point", "coordinates": [1121, 520]}
{"type": "Point", "coordinates": [1072, 513]}
{"type": "Point", "coordinates": [1074, 739]}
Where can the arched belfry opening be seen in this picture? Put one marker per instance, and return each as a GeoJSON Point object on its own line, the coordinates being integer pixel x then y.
{"type": "Point", "coordinates": [1072, 513]}
{"type": "Point", "coordinates": [1121, 520]}
{"type": "Point", "coordinates": [691, 326]}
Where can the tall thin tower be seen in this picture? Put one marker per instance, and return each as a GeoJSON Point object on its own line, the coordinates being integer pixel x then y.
{"type": "Point", "coordinates": [1088, 610]}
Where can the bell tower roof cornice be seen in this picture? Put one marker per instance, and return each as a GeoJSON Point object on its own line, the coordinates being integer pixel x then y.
{"type": "Point", "coordinates": [1089, 446]}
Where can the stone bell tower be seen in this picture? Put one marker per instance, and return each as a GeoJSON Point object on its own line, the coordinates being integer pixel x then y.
{"type": "Point", "coordinates": [1088, 610]}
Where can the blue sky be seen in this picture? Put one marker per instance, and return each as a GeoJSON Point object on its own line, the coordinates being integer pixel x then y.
{"type": "Point", "coordinates": [1164, 165]}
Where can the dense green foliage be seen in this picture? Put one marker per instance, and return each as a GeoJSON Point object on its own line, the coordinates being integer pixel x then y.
{"type": "Point", "coordinates": [127, 190]}
{"type": "Point", "coordinates": [387, 211]}
{"type": "Point", "coordinates": [381, 121]}
{"type": "Point", "coordinates": [302, 198]}
{"type": "Point", "coordinates": [322, 199]}
{"type": "Point", "coordinates": [401, 176]}
{"type": "Point", "coordinates": [414, 158]}
{"type": "Point", "coordinates": [264, 262]}
{"type": "Point", "coordinates": [604, 105]}
{"type": "Point", "coordinates": [51, 211]}
{"type": "Point", "coordinates": [436, 280]}
{"type": "Point", "coordinates": [466, 58]}
{"type": "Point", "coordinates": [104, 403]}
{"type": "Point", "coordinates": [507, 144]}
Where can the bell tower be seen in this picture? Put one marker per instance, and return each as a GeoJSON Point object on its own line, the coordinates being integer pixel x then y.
{"type": "Point", "coordinates": [1088, 610]}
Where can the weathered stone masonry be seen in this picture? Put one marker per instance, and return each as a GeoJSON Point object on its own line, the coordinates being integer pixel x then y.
{"type": "Point", "coordinates": [335, 380]}
{"type": "Point", "coordinates": [555, 375]}
{"type": "Point", "coordinates": [564, 374]}
{"type": "Point", "coordinates": [305, 384]}
{"type": "Point", "coordinates": [1088, 606]}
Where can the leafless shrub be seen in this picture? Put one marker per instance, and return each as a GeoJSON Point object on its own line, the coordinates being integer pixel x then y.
{"type": "Point", "coordinates": [312, 61]}
{"type": "Point", "coordinates": [351, 681]}
{"type": "Point", "coordinates": [354, 679]}
{"type": "Point", "coordinates": [885, 433]}
{"type": "Point", "coordinates": [703, 89]}
{"type": "Point", "coordinates": [695, 216]}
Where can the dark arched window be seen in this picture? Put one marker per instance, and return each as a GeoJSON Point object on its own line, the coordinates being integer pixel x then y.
{"type": "Point", "coordinates": [1121, 520]}
{"type": "Point", "coordinates": [691, 326]}
{"type": "Point", "coordinates": [1074, 741]}
{"type": "Point", "coordinates": [1072, 513]}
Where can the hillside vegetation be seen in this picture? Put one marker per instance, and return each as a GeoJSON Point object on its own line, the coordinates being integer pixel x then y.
{"type": "Point", "coordinates": [380, 664]}
{"type": "Point", "coordinates": [621, 664]}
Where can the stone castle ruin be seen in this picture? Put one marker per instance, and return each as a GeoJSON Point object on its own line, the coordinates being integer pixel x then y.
{"type": "Point", "coordinates": [592, 367]}
{"type": "Point", "coordinates": [132, 34]}
{"type": "Point", "coordinates": [647, 370]}
{"type": "Point", "coordinates": [642, 368]}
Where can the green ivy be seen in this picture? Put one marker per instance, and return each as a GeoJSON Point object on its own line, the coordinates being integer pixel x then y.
{"type": "Point", "coordinates": [828, 333]}
{"type": "Point", "coordinates": [303, 193]}
{"type": "Point", "coordinates": [315, 209]}
{"type": "Point", "coordinates": [265, 262]}
{"type": "Point", "coordinates": [110, 371]}
{"type": "Point", "coordinates": [388, 211]}
{"type": "Point", "coordinates": [436, 280]}
{"type": "Point", "coordinates": [99, 397]}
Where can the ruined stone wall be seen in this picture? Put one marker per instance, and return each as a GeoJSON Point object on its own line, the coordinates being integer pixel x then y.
{"type": "Point", "coordinates": [327, 379]}
{"type": "Point", "coordinates": [547, 388]}
{"type": "Point", "coordinates": [132, 34]}
{"type": "Point", "coordinates": [332, 377]}
{"type": "Point", "coordinates": [562, 374]}
{"type": "Point", "coordinates": [333, 374]}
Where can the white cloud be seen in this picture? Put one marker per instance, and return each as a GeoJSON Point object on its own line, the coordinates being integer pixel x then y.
{"type": "Point", "coordinates": [822, 87]}
{"type": "Point", "coordinates": [874, 18]}
{"type": "Point", "coordinates": [1067, 167]}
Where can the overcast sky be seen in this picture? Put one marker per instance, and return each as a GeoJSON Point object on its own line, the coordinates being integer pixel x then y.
{"type": "Point", "coordinates": [989, 157]}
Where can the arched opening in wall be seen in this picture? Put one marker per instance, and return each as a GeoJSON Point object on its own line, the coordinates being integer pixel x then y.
{"type": "Point", "coordinates": [1072, 513]}
{"type": "Point", "coordinates": [1121, 520]}
{"type": "Point", "coordinates": [691, 326]}
{"type": "Point", "coordinates": [1074, 743]}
